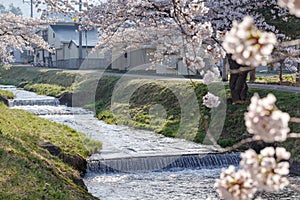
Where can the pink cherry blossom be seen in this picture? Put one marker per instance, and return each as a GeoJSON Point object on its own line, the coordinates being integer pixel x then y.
{"type": "Point", "coordinates": [247, 44]}
{"type": "Point", "coordinates": [234, 185]}
{"type": "Point", "coordinates": [211, 101]}
{"type": "Point", "coordinates": [265, 121]}
{"type": "Point", "coordinates": [268, 169]}
{"type": "Point", "coordinates": [292, 5]}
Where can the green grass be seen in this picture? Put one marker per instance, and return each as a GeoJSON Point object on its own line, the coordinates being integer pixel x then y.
{"type": "Point", "coordinates": [147, 96]}
{"type": "Point", "coordinates": [6, 94]}
{"type": "Point", "coordinates": [154, 105]}
{"type": "Point", "coordinates": [46, 89]}
{"type": "Point", "coordinates": [288, 79]}
{"type": "Point", "coordinates": [17, 75]}
{"type": "Point", "coordinates": [29, 171]}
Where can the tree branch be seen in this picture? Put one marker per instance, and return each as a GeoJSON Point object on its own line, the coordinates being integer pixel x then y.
{"type": "Point", "coordinates": [295, 120]}
{"type": "Point", "coordinates": [237, 145]}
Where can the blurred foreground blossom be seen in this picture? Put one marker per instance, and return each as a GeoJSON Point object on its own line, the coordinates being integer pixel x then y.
{"type": "Point", "coordinates": [234, 185]}
{"type": "Point", "coordinates": [292, 5]}
{"type": "Point", "coordinates": [248, 45]}
{"type": "Point", "coordinates": [211, 101]}
{"type": "Point", "coordinates": [268, 169]}
{"type": "Point", "coordinates": [259, 172]}
{"type": "Point", "coordinates": [265, 121]}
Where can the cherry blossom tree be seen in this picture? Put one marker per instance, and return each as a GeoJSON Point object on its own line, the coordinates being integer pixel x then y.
{"type": "Point", "coordinates": [182, 27]}
{"type": "Point", "coordinates": [17, 33]}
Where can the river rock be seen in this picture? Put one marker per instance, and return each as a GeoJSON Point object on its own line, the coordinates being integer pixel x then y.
{"type": "Point", "coordinates": [76, 161]}
{"type": "Point", "coordinates": [5, 101]}
{"type": "Point", "coordinates": [80, 182]}
{"type": "Point", "coordinates": [66, 99]}
{"type": "Point", "coordinates": [53, 150]}
{"type": "Point", "coordinates": [22, 84]}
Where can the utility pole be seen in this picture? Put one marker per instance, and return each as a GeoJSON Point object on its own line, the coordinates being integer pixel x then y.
{"type": "Point", "coordinates": [31, 7]}
{"type": "Point", "coordinates": [80, 35]}
{"type": "Point", "coordinates": [29, 54]}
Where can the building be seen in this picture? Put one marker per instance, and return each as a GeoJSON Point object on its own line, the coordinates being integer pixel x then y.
{"type": "Point", "coordinates": [63, 38]}
{"type": "Point", "coordinates": [24, 57]}
{"type": "Point", "coordinates": [140, 59]}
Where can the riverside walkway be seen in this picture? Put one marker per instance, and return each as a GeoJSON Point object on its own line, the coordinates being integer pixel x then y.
{"type": "Point", "coordinates": [168, 77]}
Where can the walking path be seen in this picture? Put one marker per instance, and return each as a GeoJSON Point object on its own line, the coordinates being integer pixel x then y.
{"type": "Point", "coordinates": [275, 87]}
{"type": "Point", "coordinates": [172, 78]}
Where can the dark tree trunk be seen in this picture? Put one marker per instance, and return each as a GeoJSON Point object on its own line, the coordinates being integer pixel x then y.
{"type": "Point", "coordinates": [237, 83]}
{"type": "Point", "coordinates": [252, 75]}
{"type": "Point", "coordinates": [281, 72]}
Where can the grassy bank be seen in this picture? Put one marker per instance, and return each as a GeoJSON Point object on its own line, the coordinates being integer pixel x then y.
{"type": "Point", "coordinates": [155, 106]}
{"type": "Point", "coordinates": [6, 94]}
{"type": "Point", "coordinates": [47, 82]}
{"type": "Point", "coordinates": [147, 97]}
{"type": "Point", "coordinates": [29, 171]}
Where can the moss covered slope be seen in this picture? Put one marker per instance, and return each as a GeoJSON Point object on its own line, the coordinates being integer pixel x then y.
{"type": "Point", "coordinates": [27, 170]}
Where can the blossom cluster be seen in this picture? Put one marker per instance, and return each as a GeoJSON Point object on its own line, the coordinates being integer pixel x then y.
{"type": "Point", "coordinates": [265, 120]}
{"type": "Point", "coordinates": [248, 45]}
{"type": "Point", "coordinates": [211, 76]}
{"type": "Point", "coordinates": [292, 5]}
{"type": "Point", "coordinates": [234, 185]}
{"type": "Point", "coordinates": [268, 168]}
{"type": "Point", "coordinates": [211, 101]}
{"type": "Point", "coordinates": [259, 172]}
{"type": "Point", "coordinates": [20, 34]}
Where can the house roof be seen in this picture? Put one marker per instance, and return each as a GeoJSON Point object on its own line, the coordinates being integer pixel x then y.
{"type": "Point", "coordinates": [59, 17]}
{"type": "Point", "coordinates": [68, 33]}
{"type": "Point", "coordinates": [76, 43]}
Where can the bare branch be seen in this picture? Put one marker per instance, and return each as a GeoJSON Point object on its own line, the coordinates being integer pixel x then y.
{"type": "Point", "coordinates": [295, 120]}
{"type": "Point", "coordinates": [290, 43]}
{"type": "Point", "coordinates": [294, 135]}
{"type": "Point", "coordinates": [238, 145]}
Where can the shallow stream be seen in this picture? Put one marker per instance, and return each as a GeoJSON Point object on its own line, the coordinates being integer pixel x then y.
{"type": "Point", "coordinates": [136, 164]}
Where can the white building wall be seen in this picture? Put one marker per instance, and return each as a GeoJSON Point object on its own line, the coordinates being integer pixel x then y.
{"type": "Point", "coordinates": [59, 54]}
{"type": "Point", "coordinates": [72, 51]}
{"type": "Point", "coordinates": [137, 58]}
{"type": "Point", "coordinates": [53, 40]}
{"type": "Point", "coordinates": [119, 59]}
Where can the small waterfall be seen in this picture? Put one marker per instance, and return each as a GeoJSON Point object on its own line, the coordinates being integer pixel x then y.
{"type": "Point", "coordinates": [40, 104]}
{"type": "Point", "coordinates": [54, 110]}
{"type": "Point", "coordinates": [26, 98]}
{"type": "Point", "coordinates": [161, 163]}
{"type": "Point", "coordinates": [34, 102]}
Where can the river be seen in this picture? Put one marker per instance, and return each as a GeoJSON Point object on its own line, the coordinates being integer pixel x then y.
{"type": "Point", "coordinates": [136, 164]}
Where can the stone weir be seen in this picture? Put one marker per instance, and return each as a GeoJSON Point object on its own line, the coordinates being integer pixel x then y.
{"type": "Point", "coordinates": [163, 162]}
{"type": "Point", "coordinates": [25, 98]}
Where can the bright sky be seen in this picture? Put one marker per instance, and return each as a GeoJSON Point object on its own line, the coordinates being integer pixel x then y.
{"type": "Point", "coordinates": [25, 7]}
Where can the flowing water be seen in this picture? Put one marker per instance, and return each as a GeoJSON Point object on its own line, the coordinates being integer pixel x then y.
{"type": "Point", "coordinates": [135, 164]}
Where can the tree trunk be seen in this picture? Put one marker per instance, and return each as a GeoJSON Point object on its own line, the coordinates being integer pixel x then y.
{"type": "Point", "coordinates": [225, 70]}
{"type": "Point", "coordinates": [237, 83]}
{"type": "Point", "coordinates": [298, 75]}
{"type": "Point", "coordinates": [281, 72]}
{"type": "Point", "coordinates": [252, 75]}
{"type": "Point", "coordinates": [238, 87]}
